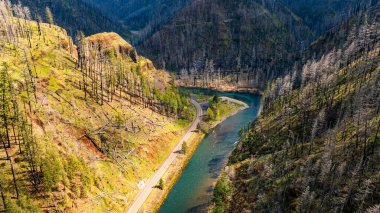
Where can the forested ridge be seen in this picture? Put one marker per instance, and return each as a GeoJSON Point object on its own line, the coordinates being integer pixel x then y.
{"type": "Point", "coordinates": [322, 15]}
{"type": "Point", "coordinates": [239, 44]}
{"type": "Point", "coordinates": [315, 147]}
{"type": "Point", "coordinates": [143, 17]}
{"type": "Point", "coordinates": [242, 44]}
{"type": "Point", "coordinates": [80, 124]}
{"type": "Point", "coordinates": [75, 16]}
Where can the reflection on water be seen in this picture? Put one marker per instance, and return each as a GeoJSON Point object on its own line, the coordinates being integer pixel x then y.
{"type": "Point", "coordinates": [193, 191]}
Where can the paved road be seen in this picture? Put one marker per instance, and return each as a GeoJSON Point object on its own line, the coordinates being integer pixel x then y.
{"type": "Point", "coordinates": [152, 182]}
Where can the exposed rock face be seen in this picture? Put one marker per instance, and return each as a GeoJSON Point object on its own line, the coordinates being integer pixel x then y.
{"type": "Point", "coordinates": [113, 42]}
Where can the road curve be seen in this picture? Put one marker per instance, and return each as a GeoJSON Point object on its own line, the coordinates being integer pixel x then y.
{"type": "Point", "coordinates": [152, 182]}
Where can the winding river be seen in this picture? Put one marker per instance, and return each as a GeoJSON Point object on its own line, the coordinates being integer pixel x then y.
{"type": "Point", "coordinates": [193, 190]}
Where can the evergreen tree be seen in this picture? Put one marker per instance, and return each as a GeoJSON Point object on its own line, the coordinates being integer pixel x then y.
{"type": "Point", "coordinates": [209, 114]}
{"type": "Point", "coordinates": [184, 147]}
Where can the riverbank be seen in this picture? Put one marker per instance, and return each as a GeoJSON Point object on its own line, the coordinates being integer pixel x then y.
{"type": "Point", "coordinates": [224, 88]}
{"type": "Point", "coordinates": [227, 108]}
{"type": "Point", "coordinates": [148, 187]}
{"type": "Point", "coordinates": [193, 192]}
{"type": "Point", "coordinates": [243, 107]}
{"type": "Point", "coordinates": [157, 196]}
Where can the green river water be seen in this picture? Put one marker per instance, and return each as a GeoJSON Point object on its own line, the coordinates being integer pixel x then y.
{"type": "Point", "coordinates": [193, 190]}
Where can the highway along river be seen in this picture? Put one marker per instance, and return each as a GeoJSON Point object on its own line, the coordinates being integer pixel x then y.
{"type": "Point", "coordinates": [193, 190]}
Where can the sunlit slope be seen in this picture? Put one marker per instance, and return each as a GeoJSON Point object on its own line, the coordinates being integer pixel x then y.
{"type": "Point", "coordinates": [81, 125]}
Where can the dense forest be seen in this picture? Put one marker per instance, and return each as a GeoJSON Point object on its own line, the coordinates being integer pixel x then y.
{"type": "Point", "coordinates": [239, 44]}
{"type": "Point", "coordinates": [322, 15]}
{"type": "Point", "coordinates": [143, 17]}
{"type": "Point", "coordinates": [242, 42]}
{"type": "Point", "coordinates": [75, 16]}
{"type": "Point", "coordinates": [315, 147]}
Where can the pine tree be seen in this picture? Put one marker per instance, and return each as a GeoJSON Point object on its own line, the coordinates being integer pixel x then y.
{"type": "Point", "coordinates": [209, 114]}
{"type": "Point", "coordinates": [184, 147]}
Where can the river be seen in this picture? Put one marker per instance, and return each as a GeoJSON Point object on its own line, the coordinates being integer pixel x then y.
{"type": "Point", "coordinates": [193, 191]}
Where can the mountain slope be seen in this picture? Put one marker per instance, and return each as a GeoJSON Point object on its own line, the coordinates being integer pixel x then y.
{"type": "Point", "coordinates": [74, 16]}
{"type": "Point", "coordinates": [142, 17]}
{"type": "Point", "coordinates": [315, 147]}
{"type": "Point", "coordinates": [80, 126]}
{"type": "Point", "coordinates": [322, 15]}
{"type": "Point", "coordinates": [243, 42]}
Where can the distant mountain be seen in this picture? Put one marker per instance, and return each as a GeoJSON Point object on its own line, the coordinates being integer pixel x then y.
{"type": "Point", "coordinates": [141, 16]}
{"type": "Point", "coordinates": [247, 42]}
{"type": "Point", "coordinates": [76, 15]}
{"type": "Point", "coordinates": [316, 146]}
{"type": "Point", "coordinates": [242, 44]}
{"type": "Point", "coordinates": [321, 15]}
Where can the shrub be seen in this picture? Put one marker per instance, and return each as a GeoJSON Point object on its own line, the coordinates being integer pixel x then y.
{"type": "Point", "coordinates": [209, 114]}
{"type": "Point", "coordinates": [184, 147]}
{"type": "Point", "coordinates": [87, 180]}
{"type": "Point", "coordinates": [161, 184]}
{"type": "Point", "coordinates": [23, 204]}
{"type": "Point", "coordinates": [119, 120]}
{"type": "Point", "coordinates": [52, 170]}
{"type": "Point", "coordinates": [73, 166]}
{"type": "Point", "coordinates": [222, 192]}
{"type": "Point", "coordinates": [76, 190]}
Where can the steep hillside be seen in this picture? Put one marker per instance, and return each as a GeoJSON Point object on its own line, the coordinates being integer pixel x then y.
{"type": "Point", "coordinates": [143, 17]}
{"type": "Point", "coordinates": [315, 147]}
{"type": "Point", "coordinates": [80, 127]}
{"type": "Point", "coordinates": [242, 42]}
{"type": "Point", "coordinates": [322, 15]}
{"type": "Point", "coordinates": [74, 16]}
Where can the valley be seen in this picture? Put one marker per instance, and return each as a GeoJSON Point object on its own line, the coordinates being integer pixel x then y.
{"type": "Point", "coordinates": [193, 190]}
{"type": "Point", "coordinates": [151, 196]}
{"type": "Point", "coordinates": [190, 106]}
